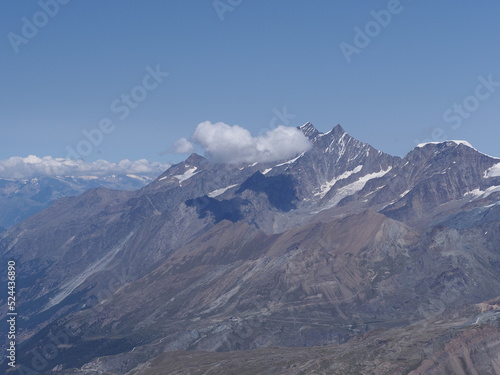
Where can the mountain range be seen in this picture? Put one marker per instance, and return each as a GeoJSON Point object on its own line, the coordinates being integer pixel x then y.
{"type": "Point", "coordinates": [21, 198]}
{"type": "Point", "coordinates": [341, 260]}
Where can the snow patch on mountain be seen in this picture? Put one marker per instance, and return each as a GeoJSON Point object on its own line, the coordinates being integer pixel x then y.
{"type": "Point", "coordinates": [493, 171]}
{"type": "Point", "coordinates": [354, 187]}
{"type": "Point", "coordinates": [291, 161]}
{"type": "Point", "coordinates": [404, 193]}
{"type": "Point", "coordinates": [465, 143]}
{"type": "Point", "coordinates": [453, 141]}
{"type": "Point", "coordinates": [340, 143]}
{"type": "Point", "coordinates": [478, 193]}
{"type": "Point", "coordinates": [327, 133]}
{"type": "Point", "coordinates": [218, 192]}
{"type": "Point", "coordinates": [325, 188]}
{"type": "Point", "coordinates": [186, 175]}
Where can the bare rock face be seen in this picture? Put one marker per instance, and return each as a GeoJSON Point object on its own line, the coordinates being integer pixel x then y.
{"type": "Point", "coordinates": [378, 259]}
{"type": "Point", "coordinates": [476, 351]}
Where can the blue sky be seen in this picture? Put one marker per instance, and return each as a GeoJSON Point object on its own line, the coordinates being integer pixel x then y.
{"type": "Point", "coordinates": [243, 66]}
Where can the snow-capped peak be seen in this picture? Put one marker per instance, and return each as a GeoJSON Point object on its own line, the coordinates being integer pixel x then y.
{"type": "Point", "coordinates": [465, 143]}
{"type": "Point", "coordinates": [455, 142]}
{"type": "Point", "coordinates": [309, 130]}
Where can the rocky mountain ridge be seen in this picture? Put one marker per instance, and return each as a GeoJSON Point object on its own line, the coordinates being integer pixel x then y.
{"type": "Point", "coordinates": [318, 250]}
{"type": "Point", "coordinates": [21, 198]}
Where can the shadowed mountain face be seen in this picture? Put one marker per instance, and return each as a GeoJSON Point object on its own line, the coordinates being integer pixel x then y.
{"type": "Point", "coordinates": [280, 189]}
{"type": "Point", "coordinates": [348, 259]}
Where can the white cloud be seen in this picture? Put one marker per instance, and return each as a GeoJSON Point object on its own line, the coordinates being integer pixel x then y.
{"type": "Point", "coordinates": [33, 166]}
{"type": "Point", "coordinates": [183, 146]}
{"type": "Point", "coordinates": [234, 144]}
